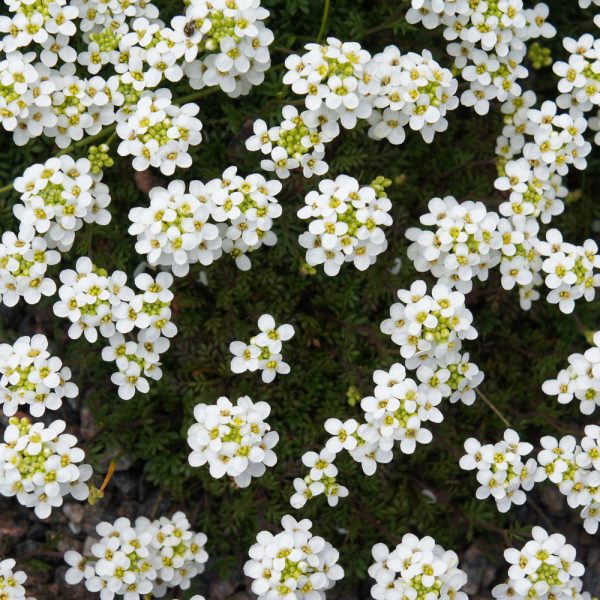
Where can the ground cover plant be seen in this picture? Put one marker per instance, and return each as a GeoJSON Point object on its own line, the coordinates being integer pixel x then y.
{"type": "Point", "coordinates": [299, 296]}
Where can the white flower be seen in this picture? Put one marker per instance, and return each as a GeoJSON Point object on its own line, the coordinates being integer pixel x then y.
{"type": "Point", "coordinates": [313, 559]}
{"type": "Point", "coordinates": [141, 558]}
{"type": "Point", "coordinates": [413, 565]}
{"type": "Point", "coordinates": [30, 376]}
{"type": "Point", "coordinates": [263, 353]}
{"type": "Point", "coordinates": [38, 465]}
{"type": "Point", "coordinates": [234, 440]}
{"type": "Point", "coordinates": [544, 565]}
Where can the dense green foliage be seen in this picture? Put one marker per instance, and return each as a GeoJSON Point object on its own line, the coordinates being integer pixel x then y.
{"type": "Point", "coordinates": [337, 344]}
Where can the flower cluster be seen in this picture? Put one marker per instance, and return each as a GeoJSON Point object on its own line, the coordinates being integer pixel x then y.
{"type": "Point", "coordinates": [141, 558]}
{"type": "Point", "coordinates": [231, 214]}
{"type": "Point", "coordinates": [466, 239]}
{"type": "Point", "coordinates": [341, 83]}
{"type": "Point", "coordinates": [157, 133]}
{"type": "Point", "coordinates": [429, 331]}
{"type": "Point", "coordinates": [57, 197]}
{"type": "Point", "coordinates": [569, 270]}
{"type": "Point", "coordinates": [345, 223]}
{"type": "Point", "coordinates": [39, 465]}
{"type": "Point", "coordinates": [263, 352]}
{"type": "Point", "coordinates": [11, 581]}
{"type": "Point", "coordinates": [24, 262]}
{"type": "Point", "coordinates": [225, 44]}
{"type": "Point", "coordinates": [298, 141]}
{"type": "Point", "coordinates": [531, 173]}
{"type": "Point", "coordinates": [487, 41]}
{"type": "Point", "coordinates": [502, 470]}
{"type": "Point", "coordinates": [416, 568]}
{"type": "Point", "coordinates": [293, 563]}
{"type": "Point", "coordinates": [127, 52]}
{"type": "Point", "coordinates": [234, 439]}
{"type": "Point", "coordinates": [429, 328]}
{"type": "Point", "coordinates": [466, 242]}
{"type": "Point", "coordinates": [409, 90]}
{"type": "Point", "coordinates": [96, 302]}
{"type": "Point", "coordinates": [580, 75]}
{"type": "Point", "coordinates": [395, 414]}
{"type": "Point", "coordinates": [322, 475]}
{"type": "Point", "coordinates": [30, 376]}
{"type": "Point", "coordinates": [580, 380]}
{"type": "Point", "coordinates": [545, 567]}
{"type": "Point", "coordinates": [575, 469]}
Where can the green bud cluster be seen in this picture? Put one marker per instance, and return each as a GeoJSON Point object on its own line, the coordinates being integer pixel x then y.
{"type": "Point", "coordinates": [38, 6]}
{"type": "Point", "coordinates": [293, 570]}
{"type": "Point", "coordinates": [130, 93]}
{"type": "Point", "coordinates": [336, 67]}
{"type": "Point", "coordinates": [441, 332]}
{"type": "Point", "coordinates": [589, 72]}
{"type": "Point", "coordinates": [456, 376]}
{"type": "Point", "coordinates": [221, 27]}
{"type": "Point", "coordinates": [547, 573]}
{"type": "Point", "coordinates": [402, 414]}
{"type": "Point", "coordinates": [52, 194]}
{"type": "Point", "coordinates": [157, 132]}
{"type": "Point", "coordinates": [24, 265]}
{"type": "Point", "coordinates": [539, 56]}
{"type": "Point", "coordinates": [291, 139]}
{"type": "Point", "coordinates": [353, 395]}
{"type": "Point", "coordinates": [99, 158]}
{"type": "Point", "coordinates": [154, 308]}
{"type": "Point", "coordinates": [107, 39]}
{"type": "Point", "coordinates": [23, 385]}
{"type": "Point", "coordinates": [424, 591]}
{"type": "Point", "coordinates": [379, 184]}
{"type": "Point", "coordinates": [70, 101]}
{"type": "Point", "coordinates": [429, 89]}
{"type": "Point", "coordinates": [9, 94]}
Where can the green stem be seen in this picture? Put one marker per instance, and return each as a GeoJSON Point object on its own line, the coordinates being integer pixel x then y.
{"type": "Point", "coordinates": [196, 95]}
{"type": "Point", "coordinates": [324, 20]}
{"type": "Point", "coordinates": [6, 188]}
{"type": "Point", "coordinates": [113, 135]}
{"type": "Point", "coordinates": [493, 407]}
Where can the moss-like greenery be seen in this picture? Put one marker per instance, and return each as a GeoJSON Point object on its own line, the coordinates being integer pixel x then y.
{"type": "Point", "coordinates": [337, 344]}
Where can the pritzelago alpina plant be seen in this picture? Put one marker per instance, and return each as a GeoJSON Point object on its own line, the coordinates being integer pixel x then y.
{"type": "Point", "coordinates": [263, 352]}
{"type": "Point", "coordinates": [580, 380]}
{"type": "Point", "coordinates": [40, 465]}
{"type": "Point", "coordinates": [11, 581]}
{"type": "Point", "coordinates": [503, 472]}
{"type": "Point", "coordinates": [233, 439]}
{"type": "Point", "coordinates": [232, 215]}
{"type": "Point", "coordinates": [345, 223]}
{"type": "Point", "coordinates": [106, 80]}
{"type": "Point", "coordinates": [545, 567]}
{"type": "Point", "coordinates": [31, 377]}
{"type": "Point", "coordinates": [292, 564]}
{"type": "Point", "coordinates": [146, 557]}
{"type": "Point", "coordinates": [416, 568]}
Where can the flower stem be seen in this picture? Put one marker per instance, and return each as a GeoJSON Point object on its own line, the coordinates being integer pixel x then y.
{"type": "Point", "coordinates": [323, 27]}
{"type": "Point", "coordinates": [6, 188]}
{"type": "Point", "coordinates": [493, 407]}
{"type": "Point", "coordinates": [196, 95]}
